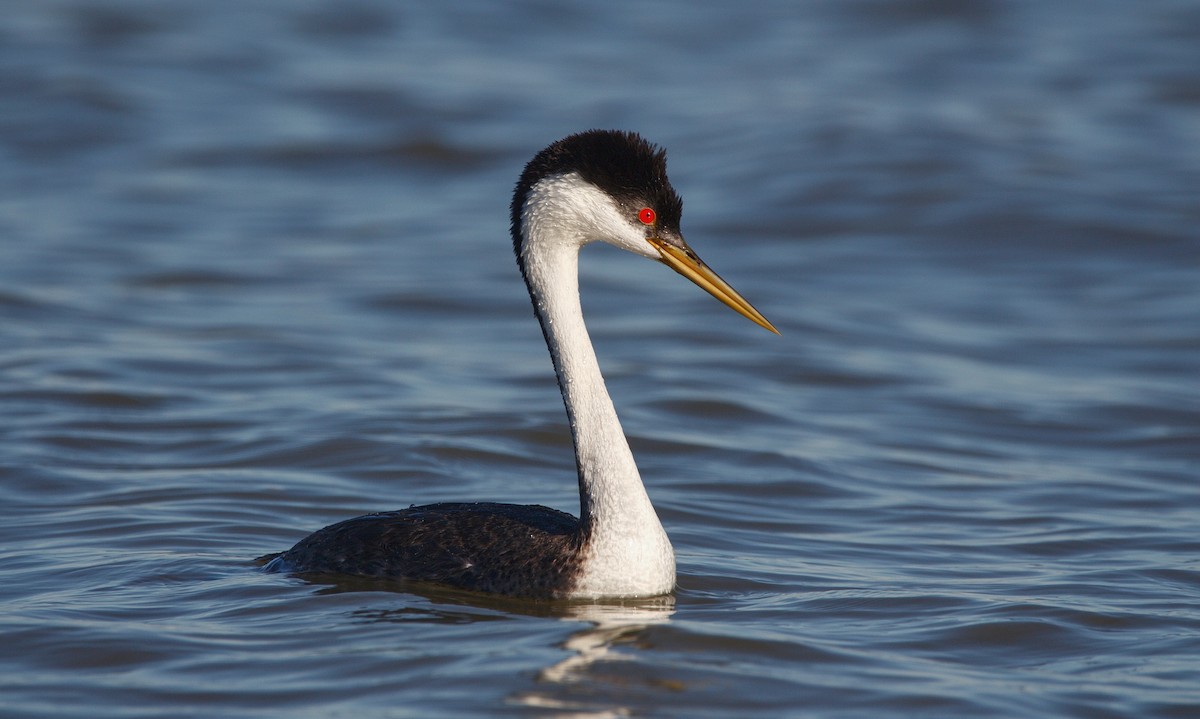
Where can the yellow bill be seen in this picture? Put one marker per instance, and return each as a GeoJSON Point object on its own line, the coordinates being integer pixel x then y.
{"type": "Point", "coordinates": [686, 263]}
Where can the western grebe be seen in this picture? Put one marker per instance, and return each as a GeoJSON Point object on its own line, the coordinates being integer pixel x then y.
{"type": "Point", "coordinates": [597, 185]}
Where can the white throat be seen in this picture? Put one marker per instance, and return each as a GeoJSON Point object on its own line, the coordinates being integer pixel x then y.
{"type": "Point", "coordinates": [627, 553]}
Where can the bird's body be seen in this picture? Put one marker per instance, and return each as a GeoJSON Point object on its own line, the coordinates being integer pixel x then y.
{"type": "Point", "coordinates": [453, 544]}
{"type": "Point", "coordinates": [598, 185]}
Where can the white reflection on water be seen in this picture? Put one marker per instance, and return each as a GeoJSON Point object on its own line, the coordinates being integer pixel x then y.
{"type": "Point", "coordinates": [613, 624]}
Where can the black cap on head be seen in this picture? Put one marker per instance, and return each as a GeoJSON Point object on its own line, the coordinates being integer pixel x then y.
{"type": "Point", "coordinates": [622, 164]}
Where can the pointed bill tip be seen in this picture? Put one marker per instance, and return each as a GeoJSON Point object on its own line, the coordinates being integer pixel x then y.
{"type": "Point", "coordinates": [686, 263]}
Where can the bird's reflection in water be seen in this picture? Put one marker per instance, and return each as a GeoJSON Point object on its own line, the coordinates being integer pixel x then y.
{"type": "Point", "coordinates": [608, 624]}
{"type": "Point", "coordinates": [611, 624]}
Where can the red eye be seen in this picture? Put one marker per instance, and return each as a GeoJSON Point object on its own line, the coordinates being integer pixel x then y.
{"type": "Point", "coordinates": [646, 215]}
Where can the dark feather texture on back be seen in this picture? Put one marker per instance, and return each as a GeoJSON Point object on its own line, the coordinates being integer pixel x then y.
{"type": "Point", "coordinates": [519, 550]}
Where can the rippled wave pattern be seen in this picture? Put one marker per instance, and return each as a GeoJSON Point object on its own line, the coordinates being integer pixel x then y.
{"type": "Point", "coordinates": [255, 278]}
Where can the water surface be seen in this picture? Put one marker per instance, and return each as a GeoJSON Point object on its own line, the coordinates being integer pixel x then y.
{"type": "Point", "coordinates": [256, 278]}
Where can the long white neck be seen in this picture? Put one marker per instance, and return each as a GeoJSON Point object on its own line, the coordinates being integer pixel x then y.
{"type": "Point", "coordinates": [627, 553]}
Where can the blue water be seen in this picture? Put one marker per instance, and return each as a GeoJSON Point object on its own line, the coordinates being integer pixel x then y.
{"type": "Point", "coordinates": [255, 278]}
